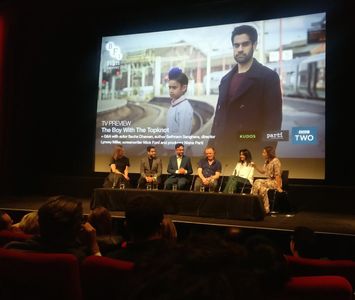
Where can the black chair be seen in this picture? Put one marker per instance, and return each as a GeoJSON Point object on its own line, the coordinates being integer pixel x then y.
{"type": "Point", "coordinates": [244, 188]}
{"type": "Point", "coordinates": [279, 200]}
{"type": "Point", "coordinates": [222, 180]}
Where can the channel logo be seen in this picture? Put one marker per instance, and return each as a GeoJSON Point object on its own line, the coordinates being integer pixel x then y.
{"type": "Point", "coordinates": [281, 135]}
{"type": "Point", "coordinates": [114, 50]}
{"type": "Point", "coordinates": [247, 135]}
{"type": "Point", "coordinates": [304, 135]}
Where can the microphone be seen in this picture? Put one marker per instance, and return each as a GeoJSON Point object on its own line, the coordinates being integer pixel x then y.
{"type": "Point", "coordinates": [220, 186]}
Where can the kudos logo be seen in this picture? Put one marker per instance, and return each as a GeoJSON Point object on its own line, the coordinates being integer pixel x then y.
{"type": "Point", "coordinates": [247, 136]}
{"type": "Point", "coordinates": [304, 135]}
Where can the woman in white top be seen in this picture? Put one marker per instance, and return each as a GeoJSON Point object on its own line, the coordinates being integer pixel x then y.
{"type": "Point", "coordinates": [243, 174]}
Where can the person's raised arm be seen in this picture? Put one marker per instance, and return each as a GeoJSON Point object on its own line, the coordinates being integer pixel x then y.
{"type": "Point", "coordinates": [251, 175]}
{"type": "Point", "coordinates": [262, 171]}
{"type": "Point", "coordinates": [89, 236]}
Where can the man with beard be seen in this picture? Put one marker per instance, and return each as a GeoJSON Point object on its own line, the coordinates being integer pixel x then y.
{"type": "Point", "coordinates": [249, 103]}
{"type": "Point", "coordinates": [150, 169]}
{"type": "Point", "coordinates": [179, 169]}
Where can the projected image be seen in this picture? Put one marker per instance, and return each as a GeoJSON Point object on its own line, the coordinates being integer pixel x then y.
{"type": "Point", "coordinates": [134, 100]}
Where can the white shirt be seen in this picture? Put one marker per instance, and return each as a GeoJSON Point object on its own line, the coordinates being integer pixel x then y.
{"type": "Point", "coordinates": [178, 161]}
{"type": "Point", "coordinates": [245, 171]}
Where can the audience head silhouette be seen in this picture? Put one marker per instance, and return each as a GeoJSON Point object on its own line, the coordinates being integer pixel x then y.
{"type": "Point", "coordinates": [268, 263]}
{"type": "Point", "coordinates": [303, 243]}
{"type": "Point", "coordinates": [5, 221]}
{"type": "Point", "coordinates": [144, 216]}
{"type": "Point", "coordinates": [100, 218]}
{"type": "Point", "coordinates": [60, 220]}
{"type": "Point", "coordinates": [204, 266]}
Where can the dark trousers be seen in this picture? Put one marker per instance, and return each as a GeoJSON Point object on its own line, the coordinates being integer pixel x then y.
{"type": "Point", "coordinates": [142, 182]}
{"type": "Point", "coordinates": [237, 184]}
{"type": "Point", "coordinates": [181, 181]}
{"type": "Point", "coordinates": [114, 180]}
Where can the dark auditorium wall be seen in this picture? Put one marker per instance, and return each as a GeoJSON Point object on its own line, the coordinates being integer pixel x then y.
{"type": "Point", "coordinates": [50, 78]}
{"type": "Point", "coordinates": [2, 113]}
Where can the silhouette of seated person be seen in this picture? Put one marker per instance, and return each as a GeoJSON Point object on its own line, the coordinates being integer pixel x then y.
{"type": "Point", "coordinates": [144, 225]}
{"type": "Point", "coordinates": [100, 218]}
{"type": "Point", "coordinates": [61, 230]}
{"type": "Point", "coordinates": [6, 222]}
{"type": "Point", "coordinates": [270, 264]}
{"type": "Point", "coordinates": [303, 243]}
{"type": "Point", "coordinates": [205, 266]}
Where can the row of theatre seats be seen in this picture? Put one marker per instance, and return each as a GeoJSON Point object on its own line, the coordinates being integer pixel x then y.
{"type": "Point", "coordinates": [60, 276]}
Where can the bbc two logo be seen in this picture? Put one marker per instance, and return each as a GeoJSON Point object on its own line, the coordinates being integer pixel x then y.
{"type": "Point", "coordinates": [304, 135]}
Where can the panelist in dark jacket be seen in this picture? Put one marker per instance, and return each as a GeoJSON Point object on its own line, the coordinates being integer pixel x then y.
{"type": "Point", "coordinates": [150, 169]}
{"type": "Point", "coordinates": [179, 169]}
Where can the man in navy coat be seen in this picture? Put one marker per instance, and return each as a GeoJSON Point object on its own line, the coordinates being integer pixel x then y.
{"type": "Point", "coordinates": [179, 168]}
{"type": "Point", "coordinates": [249, 106]}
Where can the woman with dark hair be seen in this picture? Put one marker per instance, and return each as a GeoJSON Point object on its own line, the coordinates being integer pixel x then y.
{"type": "Point", "coordinates": [118, 169]}
{"type": "Point", "coordinates": [243, 173]}
{"type": "Point", "coordinates": [272, 170]}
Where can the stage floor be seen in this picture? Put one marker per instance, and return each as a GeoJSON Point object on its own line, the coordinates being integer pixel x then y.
{"type": "Point", "coordinates": [325, 223]}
